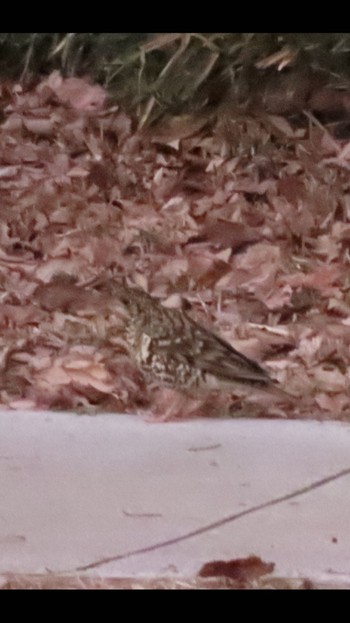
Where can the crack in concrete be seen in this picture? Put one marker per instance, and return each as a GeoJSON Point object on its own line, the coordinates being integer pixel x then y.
{"type": "Point", "coordinates": [220, 522]}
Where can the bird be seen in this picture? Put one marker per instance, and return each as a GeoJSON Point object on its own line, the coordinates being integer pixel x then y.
{"type": "Point", "coordinates": [174, 350]}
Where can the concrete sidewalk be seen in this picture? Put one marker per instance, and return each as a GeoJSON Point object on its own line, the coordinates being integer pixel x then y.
{"type": "Point", "coordinates": [114, 496]}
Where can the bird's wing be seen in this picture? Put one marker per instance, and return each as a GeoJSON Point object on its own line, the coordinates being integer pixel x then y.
{"type": "Point", "coordinates": [219, 358]}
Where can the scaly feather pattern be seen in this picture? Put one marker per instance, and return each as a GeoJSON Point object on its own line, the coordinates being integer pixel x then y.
{"type": "Point", "coordinates": [173, 349]}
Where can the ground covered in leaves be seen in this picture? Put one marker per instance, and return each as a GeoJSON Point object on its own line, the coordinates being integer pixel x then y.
{"type": "Point", "coordinates": [244, 219]}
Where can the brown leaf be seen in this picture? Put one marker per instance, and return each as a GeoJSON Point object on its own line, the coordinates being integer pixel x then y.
{"type": "Point", "coordinates": [65, 297]}
{"type": "Point", "coordinates": [176, 128]}
{"type": "Point", "coordinates": [241, 569]}
{"type": "Point", "coordinates": [225, 234]}
{"type": "Point", "coordinates": [41, 127]}
{"type": "Point", "coordinates": [76, 92]}
{"type": "Point", "coordinates": [102, 175]}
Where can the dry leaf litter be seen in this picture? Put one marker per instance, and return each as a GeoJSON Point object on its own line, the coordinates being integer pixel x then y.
{"type": "Point", "coordinates": [245, 222]}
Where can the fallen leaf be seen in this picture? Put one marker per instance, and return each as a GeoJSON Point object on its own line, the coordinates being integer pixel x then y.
{"type": "Point", "coordinates": [241, 569]}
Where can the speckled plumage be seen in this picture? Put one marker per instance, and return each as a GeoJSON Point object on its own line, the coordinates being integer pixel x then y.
{"type": "Point", "coordinates": [173, 349]}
